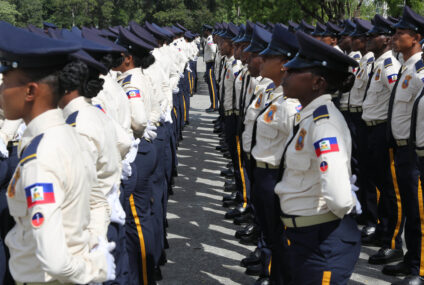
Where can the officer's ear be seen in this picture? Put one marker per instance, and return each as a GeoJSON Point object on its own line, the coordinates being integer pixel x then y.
{"type": "Point", "coordinates": [418, 37]}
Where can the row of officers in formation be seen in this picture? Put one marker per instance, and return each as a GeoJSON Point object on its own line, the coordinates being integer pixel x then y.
{"type": "Point", "coordinates": [91, 120]}
{"type": "Point", "coordinates": [324, 127]}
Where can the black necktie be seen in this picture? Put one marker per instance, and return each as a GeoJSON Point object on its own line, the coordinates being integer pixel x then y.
{"type": "Point", "coordinates": [281, 168]}
{"type": "Point", "coordinates": [414, 115]}
{"type": "Point", "coordinates": [391, 101]}
{"type": "Point", "coordinates": [369, 81]}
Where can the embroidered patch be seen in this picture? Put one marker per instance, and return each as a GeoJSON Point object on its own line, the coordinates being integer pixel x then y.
{"type": "Point", "coordinates": [269, 116]}
{"type": "Point", "coordinates": [377, 74]}
{"type": "Point", "coordinates": [326, 145]}
{"type": "Point", "coordinates": [133, 94]}
{"type": "Point", "coordinates": [127, 80]}
{"type": "Point", "coordinates": [323, 166]}
{"type": "Point", "coordinates": [405, 82]}
{"type": "Point", "coordinates": [392, 78]}
{"type": "Point", "coordinates": [321, 113]}
{"type": "Point", "coordinates": [11, 190]}
{"type": "Point", "coordinates": [419, 66]}
{"type": "Point", "coordinates": [37, 220]}
{"type": "Point", "coordinates": [259, 101]}
{"type": "Point", "coordinates": [297, 117]}
{"type": "Point", "coordinates": [39, 193]}
{"type": "Point", "coordinates": [388, 62]}
{"type": "Point", "coordinates": [300, 140]}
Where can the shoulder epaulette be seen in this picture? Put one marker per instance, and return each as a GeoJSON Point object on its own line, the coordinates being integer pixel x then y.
{"type": "Point", "coordinates": [388, 62]}
{"type": "Point", "coordinates": [72, 119]}
{"type": "Point", "coordinates": [356, 56]}
{"type": "Point", "coordinates": [236, 73]}
{"type": "Point", "coordinates": [30, 152]}
{"type": "Point", "coordinates": [270, 87]}
{"type": "Point", "coordinates": [321, 113]}
{"type": "Point", "coordinates": [234, 62]}
{"type": "Point", "coordinates": [370, 60]}
{"type": "Point", "coordinates": [127, 80]}
{"type": "Point", "coordinates": [419, 66]}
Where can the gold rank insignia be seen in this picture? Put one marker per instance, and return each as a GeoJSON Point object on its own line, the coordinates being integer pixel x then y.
{"type": "Point", "coordinates": [300, 140]}
{"type": "Point", "coordinates": [297, 117]}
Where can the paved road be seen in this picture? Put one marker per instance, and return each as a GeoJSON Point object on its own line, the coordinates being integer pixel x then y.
{"type": "Point", "coordinates": [203, 249]}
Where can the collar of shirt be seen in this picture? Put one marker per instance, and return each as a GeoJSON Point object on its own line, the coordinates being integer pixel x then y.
{"type": "Point", "coordinates": [410, 63]}
{"type": "Point", "coordinates": [338, 48]}
{"type": "Point", "coordinates": [382, 57]}
{"type": "Point", "coordinates": [39, 125]}
{"type": "Point", "coordinates": [126, 73]}
{"type": "Point", "coordinates": [310, 108]}
{"type": "Point", "coordinates": [75, 105]}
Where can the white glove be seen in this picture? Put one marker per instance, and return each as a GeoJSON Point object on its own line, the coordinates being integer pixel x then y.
{"type": "Point", "coordinates": [181, 75]}
{"type": "Point", "coordinates": [131, 155]}
{"type": "Point", "coordinates": [354, 189]}
{"type": "Point", "coordinates": [175, 90]}
{"type": "Point", "coordinates": [118, 213]}
{"type": "Point", "coordinates": [189, 69]}
{"type": "Point", "coordinates": [168, 117]}
{"type": "Point", "coordinates": [126, 170]}
{"type": "Point", "coordinates": [3, 150]}
{"type": "Point", "coordinates": [107, 248]}
{"type": "Point", "coordinates": [20, 131]}
{"type": "Point", "coordinates": [150, 132]}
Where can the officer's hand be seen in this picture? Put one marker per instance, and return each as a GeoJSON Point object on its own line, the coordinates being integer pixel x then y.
{"type": "Point", "coordinates": [4, 153]}
{"type": "Point", "coordinates": [175, 90]}
{"type": "Point", "coordinates": [355, 188]}
{"type": "Point", "coordinates": [106, 248]}
{"type": "Point", "coordinates": [118, 213]}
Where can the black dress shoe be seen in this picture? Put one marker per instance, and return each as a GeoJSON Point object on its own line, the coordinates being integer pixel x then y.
{"type": "Point", "coordinates": [368, 230]}
{"type": "Point", "coordinates": [217, 130]}
{"type": "Point", "coordinates": [398, 269]}
{"type": "Point", "coordinates": [219, 147]}
{"type": "Point", "coordinates": [247, 230]}
{"type": "Point", "coordinates": [371, 240]}
{"type": "Point", "coordinates": [230, 197]}
{"type": "Point", "coordinates": [254, 270]}
{"type": "Point", "coordinates": [244, 219]}
{"type": "Point", "coordinates": [231, 203]}
{"type": "Point", "coordinates": [229, 164]}
{"type": "Point", "coordinates": [251, 239]}
{"type": "Point", "coordinates": [386, 255]}
{"type": "Point", "coordinates": [224, 148]}
{"type": "Point", "coordinates": [227, 154]}
{"type": "Point", "coordinates": [410, 280]}
{"type": "Point", "coordinates": [226, 172]}
{"type": "Point", "coordinates": [229, 182]}
{"type": "Point", "coordinates": [236, 212]}
{"type": "Point", "coordinates": [158, 274]}
{"type": "Point", "coordinates": [263, 281]}
{"type": "Point", "coordinates": [253, 258]}
{"type": "Point", "coordinates": [230, 188]}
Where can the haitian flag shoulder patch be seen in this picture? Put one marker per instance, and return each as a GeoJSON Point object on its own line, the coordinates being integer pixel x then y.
{"type": "Point", "coordinates": [39, 193]}
{"type": "Point", "coordinates": [326, 145]}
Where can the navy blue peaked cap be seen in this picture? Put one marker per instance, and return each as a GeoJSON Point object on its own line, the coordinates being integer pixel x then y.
{"type": "Point", "coordinates": [382, 26]}
{"type": "Point", "coordinates": [107, 33]}
{"type": "Point", "coordinates": [331, 30]}
{"type": "Point", "coordinates": [36, 30]}
{"type": "Point", "coordinates": [293, 26]}
{"type": "Point", "coordinates": [181, 27]}
{"type": "Point", "coordinates": [283, 42]}
{"type": "Point", "coordinates": [319, 29]}
{"type": "Point", "coordinates": [132, 43]}
{"type": "Point", "coordinates": [411, 21]}
{"type": "Point", "coordinates": [76, 31]}
{"type": "Point", "coordinates": [362, 28]}
{"type": "Point", "coordinates": [189, 35]}
{"type": "Point", "coordinates": [43, 52]}
{"type": "Point", "coordinates": [349, 27]}
{"type": "Point", "coordinates": [247, 37]}
{"type": "Point", "coordinates": [242, 31]}
{"type": "Point", "coordinates": [305, 27]}
{"type": "Point", "coordinates": [260, 40]}
{"type": "Point", "coordinates": [231, 31]}
{"type": "Point", "coordinates": [156, 32]}
{"type": "Point", "coordinates": [114, 30]}
{"type": "Point", "coordinates": [87, 45]}
{"type": "Point", "coordinates": [177, 30]}
{"type": "Point", "coordinates": [260, 25]}
{"type": "Point", "coordinates": [89, 60]}
{"type": "Point", "coordinates": [314, 53]}
{"type": "Point", "coordinates": [143, 33]}
{"type": "Point", "coordinates": [393, 19]}
{"type": "Point", "coordinates": [206, 27]}
{"type": "Point", "coordinates": [167, 32]}
{"type": "Point", "coordinates": [224, 27]}
{"type": "Point", "coordinates": [94, 37]}
{"type": "Point", "coordinates": [48, 25]}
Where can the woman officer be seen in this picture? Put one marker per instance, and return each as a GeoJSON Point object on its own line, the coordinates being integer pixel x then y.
{"type": "Point", "coordinates": [315, 191]}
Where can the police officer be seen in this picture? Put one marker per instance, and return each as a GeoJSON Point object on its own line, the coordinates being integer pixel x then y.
{"type": "Point", "coordinates": [315, 191]}
{"type": "Point", "coordinates": [209, 57]}
{"type": "Point", "coordinates": [51, 207]}
{"type": "Point", "coordinates": [271, 130]}
{"type": "Point", "coordinates": [331, 35]}
{"type": "Point", "coordinates": [406, 40]}
{"type": "Point", "coordinates": [141, 225]}
{"type": "Point", "coordinates": [378, 157]}
{"type": "Point", "coordinates": [319, 30]}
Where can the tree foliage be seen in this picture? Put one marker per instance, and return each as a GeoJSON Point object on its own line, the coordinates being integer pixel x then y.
{"type": "Point", "coordinates": [192, 13]}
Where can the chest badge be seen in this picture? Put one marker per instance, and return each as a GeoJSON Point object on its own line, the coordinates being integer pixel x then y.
{"type": "Point", "coordinates": [11, 190]}
{"type": "Point", "coordinates": [300, 143]}
{"type": "Point", "coordinates": [269, 116]}
{"type": "Point", "coordinates": [323, 166]}
{"type": "Point", "coordinates": [378, 74]}
{"type": "Point", "coordinates": [259, 101]}
{"type": "Point", "coordinates": [406, 81]}
{"type": "Point", "coordinates": [37, 220]}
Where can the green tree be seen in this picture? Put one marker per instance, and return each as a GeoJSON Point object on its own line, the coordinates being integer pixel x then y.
{"type": "Point", "coordinates": [30, 12]}
{"type": "Point", "coordinates": [8, 12]}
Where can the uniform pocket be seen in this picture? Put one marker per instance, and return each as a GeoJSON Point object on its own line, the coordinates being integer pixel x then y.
{"type": "Point", "coordinates": [267, 131]}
